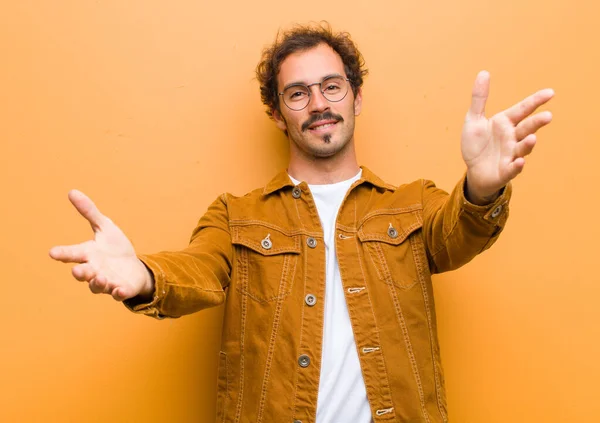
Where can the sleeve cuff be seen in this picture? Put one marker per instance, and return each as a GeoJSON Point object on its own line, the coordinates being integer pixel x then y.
{"type": "Point", "coordinates": [495, 212]}
{"type": "Point", "coordinates": [139, 306]}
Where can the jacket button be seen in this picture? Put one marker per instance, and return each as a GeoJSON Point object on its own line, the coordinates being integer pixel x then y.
{"type": "Point", "coordinates": [497, 211]}
{"type": "Point", "coordinates": [312, 243]}
{"type": "Point", "coordinates": [266, 243]}
{"type": "Point", "coordinates": [304, 360]}
{"type": "Point", "coordinates": [392, 232]}
{"type": "Point", "coordinates": [310, 300]}
{"type": "Point", "coordinates": [296, 192]}
{"type": "Point", "coordinates": [297, 421]}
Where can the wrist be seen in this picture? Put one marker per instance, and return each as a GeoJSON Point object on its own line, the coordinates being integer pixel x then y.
{"type": "Point", "coordinates": [478, 196]}
{"type": "Point", "coordinates": [148, 287]}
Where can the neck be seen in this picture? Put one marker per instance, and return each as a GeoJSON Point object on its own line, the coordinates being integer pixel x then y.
{"type": "Point", "coordinates": [323, 170]}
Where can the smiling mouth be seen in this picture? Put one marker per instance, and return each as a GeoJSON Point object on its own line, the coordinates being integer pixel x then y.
{"type": "Point", "coordinates": [322, 122]}
{"type": "Point", "coordinates": [323, 126]}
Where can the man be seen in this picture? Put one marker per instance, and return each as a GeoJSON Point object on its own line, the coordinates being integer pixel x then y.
{"type": "Point", "coordinates": [326, 271]}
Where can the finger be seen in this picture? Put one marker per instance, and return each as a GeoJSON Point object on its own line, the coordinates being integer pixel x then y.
{"type": "Point", "coordinates": [515, 167]}
{"type": "Point", "coordinates": [118, 294]}
{"type": "Point", "coordinates": [525, 146]}
{"type": "Point", "coordinates": [531, 124]}
{"type": "Point", "coordinates": [71, 253]}
{"type": "Point", "coordinates": [524, 108]}
{"type": "Point", "coordinates": [481, 90]}
{"type": "Point", "coordinates": [99, 285]}
{"type": "Point", "coordinates": [83, 272]}
{"type": "Point", "coordinates": [86, 207]}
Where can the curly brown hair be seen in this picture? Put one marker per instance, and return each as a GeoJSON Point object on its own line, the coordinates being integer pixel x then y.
{"type": "Point", "coordinates": [301, 38]}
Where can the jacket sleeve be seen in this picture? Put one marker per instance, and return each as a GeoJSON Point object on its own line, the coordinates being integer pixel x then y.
{"type": "Point", "coordinates": [455, 230]}
{"type": "Point", "coordinates": [192, 279]}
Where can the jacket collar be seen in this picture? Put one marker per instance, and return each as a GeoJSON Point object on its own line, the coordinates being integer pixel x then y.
{"type": "Point", "coordinates": [282, 180]}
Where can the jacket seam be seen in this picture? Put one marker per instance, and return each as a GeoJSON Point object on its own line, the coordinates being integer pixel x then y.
{"type": "Point", "coordinates": [274, 332]}
{"type": "Point", "coordinates": [420, 268]}
{"type": "Point", "coordinates": [394, 211]}
{"type": "Point", "coordinates": [305, 264]}
{"type": "Point", "coordinates": [244, 274]}
{"type": "Point", "coordinates": [406, 336]}
{"type": "Point", "coordinates": [387, 379]}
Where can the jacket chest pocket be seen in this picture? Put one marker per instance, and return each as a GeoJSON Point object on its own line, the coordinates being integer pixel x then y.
{"type": "Point", "coordinates": [388, 240]}
{"type": "Point", "coordinates": [266, 261]}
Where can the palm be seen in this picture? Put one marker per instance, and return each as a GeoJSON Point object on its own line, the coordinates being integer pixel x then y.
{"type": "Point", "coordinates": [108, 262]}
{"type": "Point", "coordinates": [112, 255]}
{"type": "Point", "coordinates": [494, 149]}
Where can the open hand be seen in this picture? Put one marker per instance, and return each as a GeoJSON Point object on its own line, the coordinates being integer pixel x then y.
{"type": "Point", "coordinates": [108, 262]}
{"type": "Point", "coordinates": [494, 149]}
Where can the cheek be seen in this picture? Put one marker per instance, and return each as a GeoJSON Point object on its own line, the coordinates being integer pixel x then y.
{"type": "Point", "coordinates": [295, 122]}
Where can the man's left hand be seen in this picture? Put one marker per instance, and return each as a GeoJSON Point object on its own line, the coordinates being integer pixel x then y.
{"type": "Point", "coordinates": [494, 149]}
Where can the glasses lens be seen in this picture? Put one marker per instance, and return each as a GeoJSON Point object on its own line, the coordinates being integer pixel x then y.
{"type": "Point", "coordinates": [296, 97]}
{"type": "Point", "coordinates": [334, 88]}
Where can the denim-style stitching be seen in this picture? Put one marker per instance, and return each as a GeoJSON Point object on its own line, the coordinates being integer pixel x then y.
{"type": "Point", "coordinates": [300, 219]}
{"type": "Point", "coordinates": [246, 291]}
{"type": "Point", "coordinates": [301, 320]}
{"type": "Point", "coordinates": [375, 248]}
{"type": "Point", "coordinates": [321, 321]}
{"type": "Point", "coordinates": [295, 232]}
{"type": "Point", "coordinates": [369, 251]}
{"type": "Point", "coordinates": [406, 336]}
{"type": "Point", "coordinates": [224, 411]}
{"type": "Point", "coordinates": [381, 357]}
{"type": "Point", "coordinates": [401, 235]}
{"type": "Point", "coordinates": [274, 330]}
{"type": "Point", "coordinates": [345, 228]}
{"type": "Point", "coordinates": [407, 209]}
{"type": "Point", "coordinates": [355, 202]}
{"type": "Point", "coordinates": [226, 384]}
{"type": "Point", "coordinates": [420, 269]}
{"type": "Point", "coordinates": [175, 284]}
{"type": "Point", "coordinates": [256, 246]}
{"type": "Point", "coordinates": [244, 279]}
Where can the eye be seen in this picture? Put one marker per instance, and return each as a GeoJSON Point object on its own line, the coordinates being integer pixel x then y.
{"type": "Point", "coordinates": [297, 94]}
{"type": "Point", "coordinates": [331, 87]}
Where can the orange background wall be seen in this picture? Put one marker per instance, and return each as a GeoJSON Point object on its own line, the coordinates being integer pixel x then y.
{"type": "Point", "coordinates": [152, 109]}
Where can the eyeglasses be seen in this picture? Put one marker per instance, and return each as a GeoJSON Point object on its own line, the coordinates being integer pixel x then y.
{"type": "Point", "coordinates": [297, 96]}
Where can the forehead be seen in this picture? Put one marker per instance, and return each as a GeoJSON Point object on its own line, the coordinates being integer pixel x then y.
{"type": "Point", "coordinates": [310, 66]}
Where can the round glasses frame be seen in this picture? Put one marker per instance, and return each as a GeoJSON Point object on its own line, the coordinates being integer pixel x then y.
{"type": "Point", "coordinates": [309, 91]}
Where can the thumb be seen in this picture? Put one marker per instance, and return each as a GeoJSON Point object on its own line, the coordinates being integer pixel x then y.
{"type": "Point", "coordinates": [86, 207]}
{"type": "Point", "coordinates": [481, 90]}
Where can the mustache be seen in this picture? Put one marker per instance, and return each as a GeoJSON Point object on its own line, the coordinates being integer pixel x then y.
{"type": "Point", "coordinates": [322, 116]}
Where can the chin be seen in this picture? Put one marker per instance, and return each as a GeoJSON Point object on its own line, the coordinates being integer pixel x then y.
{"type": "Point", "coordinates": [325, 150]}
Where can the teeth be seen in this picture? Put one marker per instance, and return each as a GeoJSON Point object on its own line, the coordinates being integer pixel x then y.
{"type": "Point", "coordinates": [327, 125]}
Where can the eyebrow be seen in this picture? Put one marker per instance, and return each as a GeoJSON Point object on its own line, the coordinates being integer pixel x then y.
{"type": "Point", "coordinates": [305, 84]}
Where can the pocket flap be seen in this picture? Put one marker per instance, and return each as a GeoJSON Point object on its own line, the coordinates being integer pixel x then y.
{"type": "Point", "coordinates": [265, 240]}
{"type": "Point", "coordinates": [391, 227]}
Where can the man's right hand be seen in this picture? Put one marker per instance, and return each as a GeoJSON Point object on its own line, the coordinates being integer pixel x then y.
{"type": "Point", "coordinates": [108, 262]}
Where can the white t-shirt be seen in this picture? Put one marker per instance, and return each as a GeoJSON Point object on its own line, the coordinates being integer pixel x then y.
{"type": "Point", "coordinates": [342, 394]}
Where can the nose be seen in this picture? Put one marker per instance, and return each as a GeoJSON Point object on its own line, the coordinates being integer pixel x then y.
{"type": "Point", "coordinates": [317, 102]}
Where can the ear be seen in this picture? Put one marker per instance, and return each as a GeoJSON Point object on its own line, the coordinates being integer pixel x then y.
{"type": "Point", "coordinates": [358, 102]}
{"type": "Point", "coordinates": [279, 120]}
